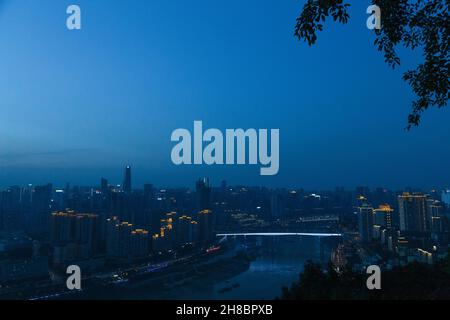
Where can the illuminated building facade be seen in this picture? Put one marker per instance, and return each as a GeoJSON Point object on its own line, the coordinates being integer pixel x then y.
{"type": "Point", "coordinates": [205, 225]}
{"type": "Point", "coordinates": [123, 241]}
{"type": "Point", "coordinates": [384, 216]}
{"type": "Point", "coordinates": [413, 213]}
{"type": "Point", "coordinates": [73, 235]}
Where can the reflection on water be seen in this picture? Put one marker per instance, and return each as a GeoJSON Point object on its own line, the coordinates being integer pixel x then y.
{"type": "Point", "coordinates": [278, 264]}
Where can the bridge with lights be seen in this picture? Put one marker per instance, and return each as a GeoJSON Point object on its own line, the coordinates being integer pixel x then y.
{"type": "Point", "coordinates": [278, 234]}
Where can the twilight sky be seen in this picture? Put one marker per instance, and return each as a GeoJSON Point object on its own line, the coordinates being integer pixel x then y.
{"type": "Point", "coordinates": [78, 105]}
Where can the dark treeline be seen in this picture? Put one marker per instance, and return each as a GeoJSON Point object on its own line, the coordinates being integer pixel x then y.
{"type": "Point", "coordinates": [412, 282]}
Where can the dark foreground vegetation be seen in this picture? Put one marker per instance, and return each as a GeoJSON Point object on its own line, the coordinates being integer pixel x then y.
{"type": "Point", "coordinates": [413, 282]}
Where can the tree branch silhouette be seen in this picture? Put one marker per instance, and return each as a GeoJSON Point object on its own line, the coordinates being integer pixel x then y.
{"type": "Point", "coordinates": [423, 24]}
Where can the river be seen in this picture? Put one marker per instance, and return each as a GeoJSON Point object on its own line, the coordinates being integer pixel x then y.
{"type": "Point", "coordinates": [279, 263]}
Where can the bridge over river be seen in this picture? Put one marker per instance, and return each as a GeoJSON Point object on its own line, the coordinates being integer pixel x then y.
{"type": "Point", "coordinates": [278, 234]}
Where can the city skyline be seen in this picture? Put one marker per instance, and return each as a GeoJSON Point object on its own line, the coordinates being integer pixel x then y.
{"type": "Point", "coordinates": [164, 240]}
{"type": "Point", "coordinates": [118, 177]}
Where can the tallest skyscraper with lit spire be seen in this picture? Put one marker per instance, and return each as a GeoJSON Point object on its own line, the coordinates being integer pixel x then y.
{"type": "Point", "coordinates": [126, 187]}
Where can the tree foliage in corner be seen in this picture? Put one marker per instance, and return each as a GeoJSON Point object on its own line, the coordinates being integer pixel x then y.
{"type": "Point", "coordinates": [412, 24]}
{"type": "Point", "coordinates": [414, 281]}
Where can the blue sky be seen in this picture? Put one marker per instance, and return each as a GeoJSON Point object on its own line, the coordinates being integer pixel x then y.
{"type": "Point", "coordinates": [77, 105]}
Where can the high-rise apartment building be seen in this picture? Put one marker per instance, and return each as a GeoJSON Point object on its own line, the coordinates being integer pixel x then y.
{"type": "Point", "coordinates": [413, 212]}
{"type": "Point", "coordinates": [126, 187]}
{"type": "Point", "coordinates": [365, 223]}
{"type": "Point", "coordinates": [383, 216]}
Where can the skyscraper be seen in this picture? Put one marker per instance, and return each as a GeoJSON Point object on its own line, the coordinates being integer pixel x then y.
{"type": "Point", "coordinates": [140, 243]}
{"type": "Point", "coordinates": [383, 216]}
{"type": "Point", "coordinates": [435, 210]}
{"type": "Point", "coordinates": [118, 238]}
{"type": "Point", "coordinates": [365, 222]}
{"type": "Point", "coordinates": [203, 194]}
{"type": "Point", "coordinates": [126, 187]}
{"type": "Point", "coordinates": [205, 225]}
{"type": "Point", "coordinates": [123, 241]}
{"type": "Point", "coordinates": [73, 235]}
{"type": "Point", "coordinates": [445, 197]}
{"type": "Point", "coordinates": [413, 212]}
{"type": "Point", "coordinates": [104, 185]}
{"type": "Point", "coordinates": [10, 209]}
{"type": "Point", "coordinates": [184, 230]}
{"type": "Point", "coordinates": [42, 207]}
{"type": "Point", "coordinates": [203, 205]}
